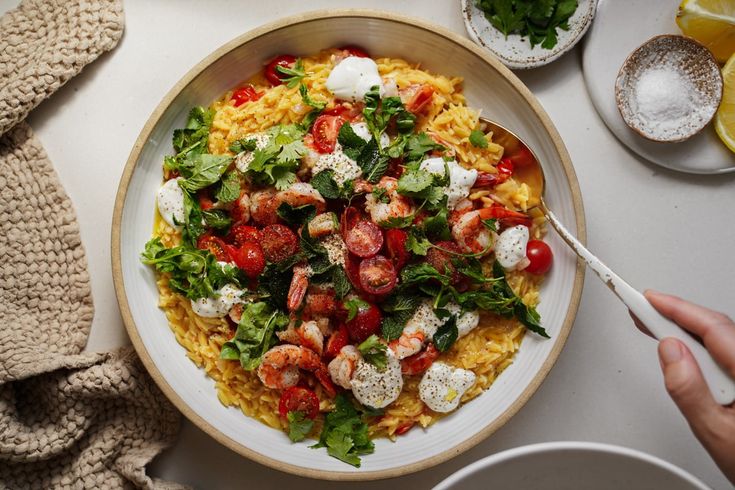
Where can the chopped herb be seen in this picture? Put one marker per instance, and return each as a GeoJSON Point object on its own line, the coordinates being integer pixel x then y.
{"type": "Point", "coordinates": [478, 139]}
{"type": "Point", "coordinates": [306, 99]}
{"type": "Point", "coordinates": [245, 144]}
{"type": "Point", "coordinates": [419, 145]}
{"type": "Point", "coordinates": [255, 334]}
{"type": "Point", "coordinates": [447, 334]}
{"type": "Point", "coordinates": [353, 306]}
{"type": "Point", "coordinates": [341, 283]}
{"type": "Point", "coordinates": [374, 352]}
{"type": "Point", "coordinates": [278, 161]}
{"type": "Point", "coordinates": [195, 136]}
{"type": "Point", "coordinates": [217, 219]}
{"type": "Point", "coordinates": [298, 425]}
{"type": "Point", "coordinates": [345, 434]}
{"type": "Point", "coordinates": [417, 243]}
{"type": "Point", "coordinates": [398, 221]}
{"type": "Point", "coordinates": [296, 215]}
{"type": "Point", "coordinates": [381, 195]}
{"type": "Point", "coordinates": [203, 170]}
{"type": "Point", "coordinates": [229, 188]}
{"type": "Point", "coordinates": [325, 184]}
{"type": "Point", "coordinates": [491, 224]}
{"type": "Point", "coordinates": [294, 75]}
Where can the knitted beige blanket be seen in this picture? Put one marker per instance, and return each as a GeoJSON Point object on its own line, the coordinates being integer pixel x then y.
{"type": "Point", "coordinates": [67, 419]}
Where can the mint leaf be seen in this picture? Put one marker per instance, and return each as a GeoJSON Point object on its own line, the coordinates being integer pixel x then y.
{"type": "Point", "coordinates": [296, 216]}
{"type": "Point", "coordinates": [446, 335]}
{"type": "Point", "coordinates": [205, 170]}
{"type": "Point", "coordinates": [255, 334]}
{"type": "Point", "coordinates": [294, 75]}
{"type": "Point", "coordinates": [325, 184]}
{"type": "Point", "coordinates": [229, 188]}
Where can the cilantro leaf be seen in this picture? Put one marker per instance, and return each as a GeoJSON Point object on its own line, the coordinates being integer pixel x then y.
{"type": "Point", "coordinates": [478, 139]}
{"type": "Point", "coordinates": [354, 305]}
{"type": "Point", "coordinates": [242, 145]}
{"type": "Point", "coordinates": [398, 221]}
{"type": "Point", "coordinates": [417, 243]}
{"type": "Point", "coordinates": [437, 226]}
{"type": "Point", "coordinates": [345, 434]}
{"type": "Point", "coordinates": [298, 425]}
{"type": "Point", "coordinates": [414, 181]}
{"type": "Point", "coordinates": [374, 352]}
{"type": "Point", "coordinates": [277, 162]}
{"type": "Point", "coordinates": [195, 136]}
{"type": "Point", "coordinates": [419, 145]}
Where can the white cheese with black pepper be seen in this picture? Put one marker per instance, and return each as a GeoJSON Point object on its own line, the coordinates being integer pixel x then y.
{"type": "Point", "coordinates": [361, 129]}
{"type": "Point", "coordinates": [170, 200]}
{"type": "Point", "coordinates": [443, 386]}
{"type": "Point", "coordinates": [461, 180]}
{"type": "Point", "coordinates": [336, 249]}
{"type": "Point", "coordinates": [243, 159]}
{"type": "Point", "coordinates": [375, 388]}
{"type": "Point", "coordinates": [353, 77]}
{"type": "Point", "coordinates": [344, 167]}
{"type": "Point", "coordinates": [218, 305]}
{"type": "Point", "coordinates": [510, 248]}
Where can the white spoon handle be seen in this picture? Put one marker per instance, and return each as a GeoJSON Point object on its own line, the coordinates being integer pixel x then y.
{"type": "Point", "coordinates": [720, 384]}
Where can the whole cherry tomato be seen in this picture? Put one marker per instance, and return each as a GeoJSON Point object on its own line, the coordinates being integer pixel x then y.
{"type": "Point", "coordinates": [271, 69]}
{"type": "Point", "coordinates": [298, 399]}
{"type": "Point", "coordinates": [366, 323]}
{"type": "Point", "coordinates": [540, 255]}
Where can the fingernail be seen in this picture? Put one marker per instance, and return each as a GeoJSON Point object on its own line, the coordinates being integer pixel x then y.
{"type": "Point", "coordinates": [670, 351]}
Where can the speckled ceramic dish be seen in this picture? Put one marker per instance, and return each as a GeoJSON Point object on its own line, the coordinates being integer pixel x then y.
{"type": "Point", "coordinates": [515, 51]}
{"type": "Point", "coordinates": [669, 88]}
{"type": "Point", "coordinates": [488, 85]}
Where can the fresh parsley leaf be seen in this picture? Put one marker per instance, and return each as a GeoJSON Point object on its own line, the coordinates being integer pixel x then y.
{"type": "Point", "coordinates": [294, 75]}
{"type": "Point", "coordinates": [419, 145]}
{"type": "Point", "coordinates": [354, 305]}
{"type": "Point", "coordinates": [296, 215]}
{"type": "Point", "coordinates": [397, 221]}
{"type": "Point", "coordinates": [345, 434]}
{"type": "Point", "coordinates": [478, 139]}
{"type": "Point", "coordinates": [205, 170]}
{"type": "Point", "coordinates": [229, 188]}
{"type": "Point", "coordinates": [374, 352]}
{"type": "Point", "coordinates": [242, 145]}
{"type": "Point", "coordinates": [255, 334]}
{"type": "Point", "coordinates": [446, 335]}
{"type": "Point", "coordinates": [298, 425]}
{"type": "Point", "coordinates": [325, 184]}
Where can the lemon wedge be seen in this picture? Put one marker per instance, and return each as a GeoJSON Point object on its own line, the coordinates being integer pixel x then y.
{"type": "Point", "coordinates": [712, 23]}
{"type": "Point", "coordinates": [725, 117]}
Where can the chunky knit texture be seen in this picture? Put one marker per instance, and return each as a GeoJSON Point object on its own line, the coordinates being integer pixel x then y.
{"type": "Point", "coordinates": [68, 419]}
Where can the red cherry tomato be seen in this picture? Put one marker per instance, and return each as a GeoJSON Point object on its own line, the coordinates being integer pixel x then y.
{"type": "Point", "coordinates": [214, 245]}
{"type": "Point", "coordinates": [337, 340]}
{"type": "Point", "coordinates": [355, 51]}
{"type": "Point", "coordinates": [366, 323]}
{"type": "Point", "coordinates": [244, 94]}
{"type": "Point", "coordinates": [418, 363]}
{"type": "Point", "coordinates": [350, 216]}
{"type": "Point", "coordinates": [271, 72]}
{"type": "Point", "coordinates": [540, 255]}
{"type": "Point", "coordinates": [403, 428]}
{"type": "Point", "coordinates": [443, 260]}
{"type": "Point", "coordinates": [416, 99]}
{"type": "Point", "coordinates": [278, 242]}
{"type": "Point", "coordinates": [505, 167]}
{"type": "Point", "coordinates": [522, 157]}
{"type": "Point", "coordinates": [240, 234]}
{"type": "Point", "coordinates": [377, 275]}
{"type": "Point", "coordinates": [325, 131]}
{"type": "Point", "coordinates": [352, 268]}
{"type": "Point", "coordinates": [364, 239]}
{"type": "Point", "coordinates": [205, 201]}
{"type": "Point", "coordinates": [395, 244]}
{"type": "Point", "coordinates": [248, 257]}
{"type": "Point", "coordinates": [298, 399]}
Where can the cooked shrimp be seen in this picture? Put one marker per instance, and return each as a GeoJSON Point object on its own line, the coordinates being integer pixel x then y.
{"type": "Point", "coordinates": [398, 206]}
{"type": "Point", "coordinates": [236, 313]}
{"type": "Point", "coordinates": [263, 206]}
{"type": "Point", "coordinates": [311, 337]}
{"type": "Point", "coordinates": [320, 302]}
{"type": "Point", "coordinates": [342, 367]}
{"type": "Point", "coordinates": [471, 234]}
{"type": "Point", "coordinates": [409, 343]}
{"type": "Point", "coordinates": [280, 366]}
{"type": "Point", "coordinates": [323, 224]}
{"type": "Point", "coordinates": [241, 208]}
{"type": "Point", "coordinates": [301, 194]}
{"type": "Point", "coordinates": [299, 285]}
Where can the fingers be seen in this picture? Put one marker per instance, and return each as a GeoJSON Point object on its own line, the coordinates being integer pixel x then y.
{"type": "Point", "coordinates": [716, 330]}
{"type": "Point", "coordinates": [685, 384]}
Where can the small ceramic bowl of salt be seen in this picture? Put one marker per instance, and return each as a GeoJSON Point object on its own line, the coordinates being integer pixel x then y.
{"type": "Point", "coordinates": [669, 88]}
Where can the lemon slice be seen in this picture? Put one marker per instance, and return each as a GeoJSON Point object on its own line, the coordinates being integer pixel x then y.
{"type": "Point", "coordinates": [725, 117]}
{"type": "Point", "coordinates": [711, 22]}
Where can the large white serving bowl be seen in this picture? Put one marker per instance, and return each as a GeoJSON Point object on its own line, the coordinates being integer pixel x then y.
{"type": "Point", "coordinates": [571, 465]}
{"type": "Point", "coordinates": [488, 85]}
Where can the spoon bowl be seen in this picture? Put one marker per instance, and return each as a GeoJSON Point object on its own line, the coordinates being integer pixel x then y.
{"type": "Point", "coordinates": [528, 169]}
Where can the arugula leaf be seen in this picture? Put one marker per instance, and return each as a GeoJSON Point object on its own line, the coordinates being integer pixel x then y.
{"type": "Point", "coordinates": [229, 188]}
{"type": "Point", "coordinates": [193, 226]}
{"type": "Point", "coordinates": [205, 170]}
{"type": "Point", "coordinates": [294, 75]}
{"type": "Point", "coordinates": [255, 334]}
{"type": "Point", "coordinates": [325, 184]}
{"type": "Point", "coordinates": [345, 434]}
{"type": "Point", "coordinates": [478, 139]}
{"type": "Point", "coordinates": [298, 425]}
{"type": "Point", "coordinates": [354, 305]}
{"type": "Point", "coordinates": [192, 272]}
{"type": "Point", "coordinates": [446, 335]}
{"type": "Point", "coordinates": [245, 144]}
{"type": "Point", "coordinates": [374, 352]}
{"type": "Point", "coordinates": [296, 215]}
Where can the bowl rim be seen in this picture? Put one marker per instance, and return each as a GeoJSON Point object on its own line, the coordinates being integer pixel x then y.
{"type": "Point", "coordinates": [129, 169]}
{"type": "Point", "coordinates": [546, 447]}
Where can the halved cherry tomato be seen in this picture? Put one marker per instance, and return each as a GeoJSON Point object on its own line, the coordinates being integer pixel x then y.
{"type": "Point", "coordinates": [540, 255]}
{"type": "Point", "coordinates": [418, 363]}
{"type": "Point", "coordinates": [278, 242]}
{"type": "Point", "coordinates": [395, 244]}
{"type": "Point", "coordinates": [364, 239]}
{"type": "Point", "coordinates": [505, 167]}
{"type": "Point", "coordinates": [377, 275]}
{"type": "Point", "coordinates": [325, 131]}
{"type": "Point", "coordinates": [416, 98]}
{"type": "Point", "coordinates": [506, 217]}
{"type": "Point", "coordinates": [366, 322]}
{"type": "Point", "coordinates": [350, 216]}
{"type": "Point", "coordinates": [215, 245]}
{"type": "Point", "coordinates": [245, 94]}
{"type": "Point", "coordinates": [298, 399]}
{"type": "Point", "coordinates": [355, 51]}
{"type": "Point", "coordinates": [248, 257]}
{"type": "Point", "coordinates": [240, 234]}
{"type": "Point", "coordinates": [271, 72]}
{"type": "Point", "coordinates": [485, 179]}
{"type": "Point", "coordinates": [352, 268]}
{"type": "Point", "coordinates": [337, 340]}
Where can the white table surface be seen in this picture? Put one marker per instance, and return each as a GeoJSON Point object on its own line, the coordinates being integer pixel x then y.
{"type": "Point", "coordinates": [657, 228]}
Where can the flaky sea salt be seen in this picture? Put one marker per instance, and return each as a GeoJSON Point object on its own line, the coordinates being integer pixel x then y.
{"type": "Point", "coordinates": [663, 94]}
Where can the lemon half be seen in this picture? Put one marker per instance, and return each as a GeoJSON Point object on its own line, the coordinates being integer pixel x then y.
{"type": "Point", "coordinates": [712, 23]}
{"type": "Point", "coordinates": [725, 117]}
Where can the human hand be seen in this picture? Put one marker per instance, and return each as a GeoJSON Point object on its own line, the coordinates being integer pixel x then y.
{"type": "Point", "coordinates": [713, 424]}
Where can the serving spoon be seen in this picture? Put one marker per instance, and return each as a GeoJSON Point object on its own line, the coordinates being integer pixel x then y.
{"type": "Point", "coordinates": [531, 173]}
